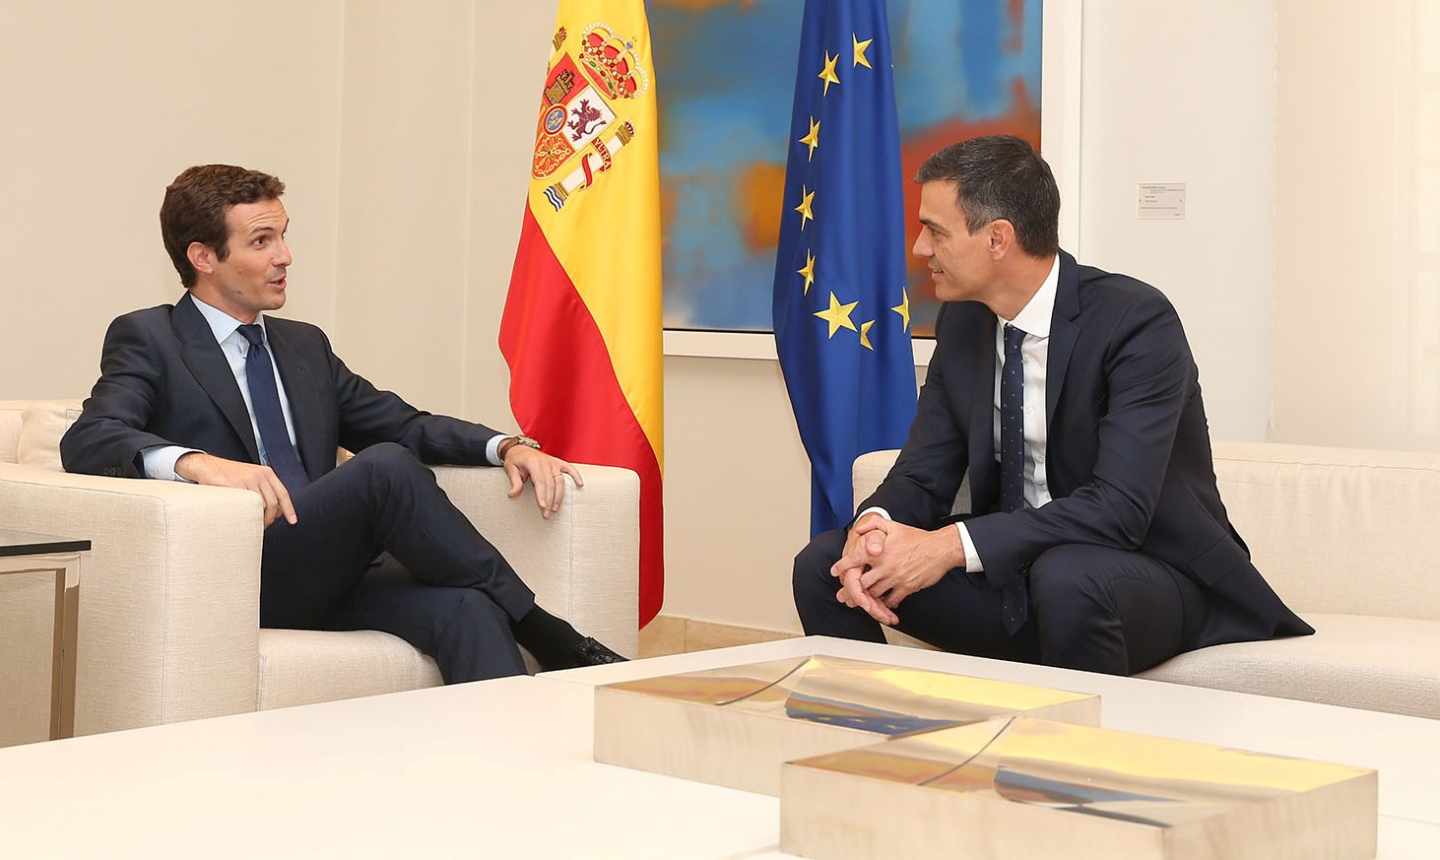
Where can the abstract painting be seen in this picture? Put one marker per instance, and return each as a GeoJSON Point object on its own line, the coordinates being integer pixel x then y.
{"type": "Point", "coordinates": [725, 72]}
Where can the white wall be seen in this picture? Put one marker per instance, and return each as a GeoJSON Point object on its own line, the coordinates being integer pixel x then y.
{"type": "Point", "coordinates": [1358, 289]}
{"type": "Point", "coordinates": [405, 157]}
{"type": "Point", "coordinates": [1184, 91]}
{"type": "Point", "coordinates": [737, 499]}
{"type": "Point", "coordinates": [404, 195]}
{"type": "Point", "coordinates": [502, 122]}
{"type": "Point", "coordinates": [104, 103]}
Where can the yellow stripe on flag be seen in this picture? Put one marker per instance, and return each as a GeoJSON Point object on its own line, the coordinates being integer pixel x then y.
{"type": "Point", "coordinates": [595, 188]}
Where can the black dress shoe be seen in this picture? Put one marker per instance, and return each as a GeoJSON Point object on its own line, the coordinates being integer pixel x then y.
{"type": "Point", "coordinates": [587, 652]}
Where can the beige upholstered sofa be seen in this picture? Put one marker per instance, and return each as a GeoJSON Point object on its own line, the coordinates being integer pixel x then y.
{"type": "Point", "coordinates": [169, 598]}
{"type": "Point", "coordinates": [1348, 538]}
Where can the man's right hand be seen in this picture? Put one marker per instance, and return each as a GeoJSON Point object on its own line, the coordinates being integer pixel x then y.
{"type": "Point", "coordinates": [218, 472]}
{"type": "Point", "coordinates": [863, 543]}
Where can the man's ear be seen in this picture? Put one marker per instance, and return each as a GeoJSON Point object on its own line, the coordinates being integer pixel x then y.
{"type": "Point", "coordinates": [202, 257]}
{"type": "Point", "coordinates": [1001, 238]}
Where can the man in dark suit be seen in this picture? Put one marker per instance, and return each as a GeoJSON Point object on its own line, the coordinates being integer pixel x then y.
{"type": "Point", "coordinates": [1098, 540]}
{"type": "Point", "coordinates": [213, 391]}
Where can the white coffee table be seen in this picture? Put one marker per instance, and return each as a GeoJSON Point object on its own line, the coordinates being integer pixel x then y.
{"type": "Point", "coordinates": [503, 767]}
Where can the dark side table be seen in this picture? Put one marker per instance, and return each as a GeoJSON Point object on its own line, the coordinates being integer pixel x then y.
{"type": "Point", "coordinates": [27, 552]}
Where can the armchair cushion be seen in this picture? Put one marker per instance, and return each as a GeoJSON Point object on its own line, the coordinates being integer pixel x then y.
{"type": "Point", "coordinates": [11, 412]}
{"type": "Point", "coordinates": [302, 667]}
{"type": "Point", "coordinates": [1351, 661]}
{"type": "Point", "coordinates": [41, 427]}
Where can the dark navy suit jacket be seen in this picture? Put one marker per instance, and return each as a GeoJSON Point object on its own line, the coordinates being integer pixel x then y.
{"type": "Point", "coordinates": [165, 381]}
{"type": "Point", "coordinates": [1127, 459]}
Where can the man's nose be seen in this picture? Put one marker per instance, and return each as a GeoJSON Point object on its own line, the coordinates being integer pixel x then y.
{"type": "Point", "coordinates": [284, 257]}
{"type": "Point", "coordinates": [921, 248]}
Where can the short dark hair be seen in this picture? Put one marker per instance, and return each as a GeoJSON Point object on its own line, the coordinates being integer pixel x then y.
{"type": "Point", "coordinates": [1001, 176]}
{"type": "Point", "coordinates": [195, 204]}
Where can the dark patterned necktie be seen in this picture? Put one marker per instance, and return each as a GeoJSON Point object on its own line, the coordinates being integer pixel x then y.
{"type": "Point", "coordinates": [280, 453]}
{"type": "Point", "coordinates": [1015, 600]}
{"type": "Point", "coordinates": [1012, 423]}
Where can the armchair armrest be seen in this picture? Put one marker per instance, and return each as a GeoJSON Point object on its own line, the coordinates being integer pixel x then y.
{"type": "Point", "coordinates": [169, 595]}
{"type": "Point", "coordinates": [869, 470]}
{"type": "Point", "coordinates": [584, 562]}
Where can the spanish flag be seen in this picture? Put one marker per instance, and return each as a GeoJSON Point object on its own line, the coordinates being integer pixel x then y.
{"type": "Point", "coordinates": [582, 324]}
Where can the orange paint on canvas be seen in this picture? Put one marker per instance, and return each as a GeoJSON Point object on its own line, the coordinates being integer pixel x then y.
{"type": "Point", "coordinates": [757, 204]}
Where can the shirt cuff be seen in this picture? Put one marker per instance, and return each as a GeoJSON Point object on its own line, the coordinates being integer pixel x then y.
{"type": "Point", "coordinates": [160, 462]}
{"type": "Point", "coordinates": [972, 556]}
{"type": "Point", "coordinates": [492, 449]}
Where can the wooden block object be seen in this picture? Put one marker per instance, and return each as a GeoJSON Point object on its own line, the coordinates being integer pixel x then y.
{"type": "Point", "coordinates": [735, 726]}
{"type": "Point", "coordinates": [1022, 787]}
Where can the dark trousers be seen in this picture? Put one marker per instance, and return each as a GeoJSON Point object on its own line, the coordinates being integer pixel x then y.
{"type": "Point", "coordinates": [379, 546]}
{"type": "Point", "coordinates": [1091, 608]}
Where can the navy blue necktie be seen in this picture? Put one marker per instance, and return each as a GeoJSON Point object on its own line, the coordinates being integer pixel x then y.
{"type": "Point", "coordinates": [280, 453]}
{"type": "Point", "coordinates": [1015, 600]}
{"type": "Point", "coordinates": [1012, 423]}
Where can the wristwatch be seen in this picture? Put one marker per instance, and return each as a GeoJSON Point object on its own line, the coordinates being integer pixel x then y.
{"type": "Point", "coordinates": [511, 441]}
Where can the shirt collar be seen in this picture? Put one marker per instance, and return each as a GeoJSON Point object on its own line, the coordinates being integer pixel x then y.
{"type": "Point", "coordinates": [1034, 318]}
{"type": "Point", "coordinates": [222, 325]}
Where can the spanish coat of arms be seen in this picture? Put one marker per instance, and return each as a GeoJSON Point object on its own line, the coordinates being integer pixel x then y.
{"type": "Point", "coordinates": [577, 123]}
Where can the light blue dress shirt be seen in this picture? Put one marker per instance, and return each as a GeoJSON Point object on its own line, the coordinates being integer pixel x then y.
{"type": "Point", "coordinates": [160, 461]}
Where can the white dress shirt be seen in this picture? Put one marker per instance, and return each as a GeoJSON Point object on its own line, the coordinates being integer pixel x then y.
{"type": "Point", "coordinates": [1034, 320]}
{"type": "Point", "coordinates": [160, 460]}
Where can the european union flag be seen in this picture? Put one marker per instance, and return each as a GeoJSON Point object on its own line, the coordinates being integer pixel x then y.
{"type": "Point", "coordinates": [842, 317]}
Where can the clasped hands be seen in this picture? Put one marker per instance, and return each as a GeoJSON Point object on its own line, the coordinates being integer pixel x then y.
{"type": "Point", "coordinates": [885, 562]}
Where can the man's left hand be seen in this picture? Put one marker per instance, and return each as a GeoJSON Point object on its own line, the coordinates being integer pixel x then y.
{"type": "Point", "coordinates": [547, 473]}
{"type": "Point", "coordinates": [913, 559]}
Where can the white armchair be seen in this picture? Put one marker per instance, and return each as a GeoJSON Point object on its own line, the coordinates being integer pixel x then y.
{"type": "Point", "coordinates": [169, 600]}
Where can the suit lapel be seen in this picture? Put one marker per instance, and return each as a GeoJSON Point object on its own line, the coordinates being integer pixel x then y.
{"type": "Point", "coordinates": [299, 391]}
{"type": "Point", "coordinates": [208, 365]}
{"type": "Point", "coordinates": [1063, 331]}
{"type": "Point", "coordinates": [982, 414]}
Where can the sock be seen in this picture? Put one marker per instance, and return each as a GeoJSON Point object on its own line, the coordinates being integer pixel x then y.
{"type": "Point", "coordinates": [551, 640]}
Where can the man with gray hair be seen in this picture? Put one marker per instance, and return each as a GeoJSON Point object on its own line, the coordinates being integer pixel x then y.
{"type": "Point", "coordinates": [1096, 539]}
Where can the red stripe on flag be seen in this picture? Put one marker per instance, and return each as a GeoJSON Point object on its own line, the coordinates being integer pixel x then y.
{"type": "Point", "coordinates": [564, 392]}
